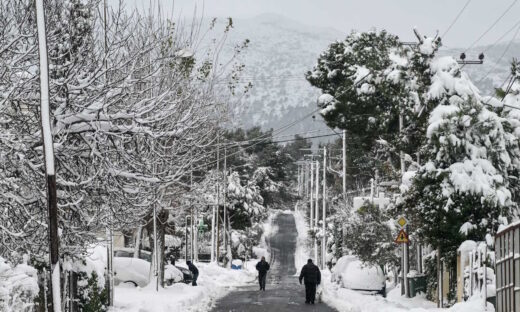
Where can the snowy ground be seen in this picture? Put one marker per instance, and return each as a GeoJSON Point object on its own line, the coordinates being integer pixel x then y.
{"type": "Point", "coordinates": [345, 300]}
{"type": "Point", "coordinates": [214, 282]}
{"type": "Point", "coordinates": [348, 300]}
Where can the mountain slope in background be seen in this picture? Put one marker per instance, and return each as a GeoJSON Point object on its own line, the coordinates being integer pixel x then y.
{"type": "Point", "coordinates": [282, 50]}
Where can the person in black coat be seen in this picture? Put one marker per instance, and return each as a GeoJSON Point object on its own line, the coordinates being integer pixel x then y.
{"type": "Point", "coordinates": [194, 271]}
{"type": "Point", "coordinates": [311, 276]}
{"type": "Point", "coordinates": [262, 267]}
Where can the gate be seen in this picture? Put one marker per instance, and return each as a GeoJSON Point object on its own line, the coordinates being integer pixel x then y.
{"type": "Point", "coordinates": [507, 256]}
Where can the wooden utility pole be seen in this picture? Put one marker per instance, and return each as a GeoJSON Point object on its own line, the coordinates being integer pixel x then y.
{"type": "Point", "coordinates": [48, 148]}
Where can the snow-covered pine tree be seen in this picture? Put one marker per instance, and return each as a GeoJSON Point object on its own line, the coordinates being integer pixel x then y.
{"type": "Point", "coordinates": [361, 79]}
{"type": "Point", "coordinates": [463, 190]}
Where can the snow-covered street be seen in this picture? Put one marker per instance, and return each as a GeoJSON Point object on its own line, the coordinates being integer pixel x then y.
{"type": "Point", "coordinates": [222, 289]}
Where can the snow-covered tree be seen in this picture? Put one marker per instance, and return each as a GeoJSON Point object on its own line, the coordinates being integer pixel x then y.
{"type": "Point", "coordinates": [131, 113]}
{"type": "Point", "coordinates": [464, 188]}
{"type": "Point", "coordinates": [362, 81]}
{"type": "Point", "coordinates": [369, 235]}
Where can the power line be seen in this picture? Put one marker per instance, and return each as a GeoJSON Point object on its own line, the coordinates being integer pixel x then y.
{"type": "Point", "coordinates": [456, 19]}
{"type": "Point", "coordinates": [502, 37]}
{"type": "Point", "coordinates": [301, 138]}
{"type": "Point", "coordinates": [249, 141]}
{"type": "Point", "coordinates": [283, 128]}
{"type": "Point", "coordinates": [501, 56]}
{"type": "Point", "coordinates": [492, 25]}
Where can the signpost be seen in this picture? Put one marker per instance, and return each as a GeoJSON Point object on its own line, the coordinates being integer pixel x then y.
{"type": "Point", "coordinates": [402, 222]}
{"type": "Point", "coordinates": [402, 238]}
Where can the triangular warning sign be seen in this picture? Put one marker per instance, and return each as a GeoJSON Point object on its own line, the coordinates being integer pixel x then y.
{"type": "Point", "coordinates": [402, 237]}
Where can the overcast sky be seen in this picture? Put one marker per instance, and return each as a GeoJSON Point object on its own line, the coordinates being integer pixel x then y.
{"type": "Point", "coordinates": [397, 16]}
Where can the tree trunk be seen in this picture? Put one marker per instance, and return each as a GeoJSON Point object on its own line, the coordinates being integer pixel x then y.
{"type": "Point", "coordinates": [162, 218]}
{"type": "Point", "coordinates": [137, 245]}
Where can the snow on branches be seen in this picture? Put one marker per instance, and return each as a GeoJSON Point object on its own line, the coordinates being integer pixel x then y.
{"type": "Point", "coordinates": [130, 117]}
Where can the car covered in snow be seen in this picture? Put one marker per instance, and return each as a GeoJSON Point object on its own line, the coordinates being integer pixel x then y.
{"type": "Point", "coordinates": [351, 273]}
{"type": "Point", "coordinates": [136, 271]}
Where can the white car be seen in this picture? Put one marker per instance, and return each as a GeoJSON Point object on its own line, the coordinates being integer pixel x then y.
{"type": "Point", "coordinates": [136, 271]}
{"type": "Point", "coordinates": [350, 272]}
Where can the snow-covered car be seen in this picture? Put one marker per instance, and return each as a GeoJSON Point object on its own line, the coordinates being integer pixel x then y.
{"type": "Point", "coordinates": [187, 275]}
{"type": "Point", "coordinates": [350, 272]}
{"type": "Point", "coordinates": [136, 271]}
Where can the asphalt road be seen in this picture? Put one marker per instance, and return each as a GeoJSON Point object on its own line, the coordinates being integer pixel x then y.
{"type": "Point", "coordinates": [283, 292]}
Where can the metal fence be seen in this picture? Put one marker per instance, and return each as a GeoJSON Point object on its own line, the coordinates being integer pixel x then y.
{"type": "Point", "coordinates": [507, 256]}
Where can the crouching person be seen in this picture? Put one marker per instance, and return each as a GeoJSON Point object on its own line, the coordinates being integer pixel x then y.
{"type": "Point", "coordinates": [194, 271]}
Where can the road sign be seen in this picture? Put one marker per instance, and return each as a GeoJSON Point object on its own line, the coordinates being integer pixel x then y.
{"type": "Point", "coordinates": [402, 221]}
{"type": "Point", "coordinates": [402, 237]}
{"type": "Point", "coordinates": [202, 227]}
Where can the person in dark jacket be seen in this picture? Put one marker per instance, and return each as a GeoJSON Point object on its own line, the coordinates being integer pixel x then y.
{"type": "Point", "coordinates": [262, 267]}
{"type": "Point", "coordinates": [193, 269]}
{"type": "Point", "coordinates": [311, 276]}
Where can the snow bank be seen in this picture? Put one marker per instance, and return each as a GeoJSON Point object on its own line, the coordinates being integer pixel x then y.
{"type": "Point", "coordinates": [357, 275]}
{"type": "Point", "coordinates": [18, 286]}
{"type": "Point", "coordinates": [214, 282]}
{"type": "Point", "coordinates": [268, 229]}
{"type": "Point", "coordinates": [353, 301]}
{"type": "Point", "coordinates": [302, 252]}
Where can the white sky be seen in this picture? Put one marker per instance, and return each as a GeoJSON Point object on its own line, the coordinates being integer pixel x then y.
{"type": "Point", "coordinates": [396, 16]}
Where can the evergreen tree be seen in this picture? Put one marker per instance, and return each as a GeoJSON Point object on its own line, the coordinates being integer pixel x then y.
{"type": "Point", "coordinates": [361, 78]}
{"type": "Point", "coordinates": [464, 189]}
{"type": "Point", "coordinates": [370, 237]}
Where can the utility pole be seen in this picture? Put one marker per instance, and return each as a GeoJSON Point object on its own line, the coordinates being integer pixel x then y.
{"type": "Point", "coordinates": [304, 179]}
{"type": "Point", "coordinates": [213, 232]}
{"type": "Point", "coordinates": [344, 164]}
{"type": "Point", "coordinates": [217, 228]}
{"type": "Point", "coordinates": [214, 218]}
{"type": "Point", "coordinates": [300, 170]}
{"type": "Point", "coordinates": [224, 222]}
{"type": "Point", "coordinates": [110, 262]}
{"type": "Point", "coordinates": [155, 249]}
{"type": "Point", "coordinates": [324, 239]}
{"type": "Point", "coordinates": [405, 247]}
{"type": "Point", "coordinates": [110, 247]}
{"type": "Point", "coordinates": [317, 208]}
{"type": "Point", "coordinates": [192, 235]}
{"type": "Point", "coordinates": [194, 229]}
{"type": "Point", "coordinates": [52, 201]}
{"type": "Point", "coordinates": [186, 238]}
{"type": "Point", "coordinates": [311, 212]}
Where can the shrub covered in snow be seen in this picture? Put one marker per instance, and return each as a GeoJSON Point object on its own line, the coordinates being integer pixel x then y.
{"type": "Point", "coordinates": [18, 286]}
{"type": "Point", "coordinates": [369, 236]}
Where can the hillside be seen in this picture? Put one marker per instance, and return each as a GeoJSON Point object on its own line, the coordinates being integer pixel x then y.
{"type": "Point", "coordinates": [282, 50]}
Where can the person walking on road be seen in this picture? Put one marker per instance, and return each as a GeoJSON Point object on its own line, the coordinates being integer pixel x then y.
{"type": "Point", "coordinates": [311, 275]}
{"type": "Point", "coordinates": [193, 269]}
{"type": "Point", "coordinates": [262, 267]}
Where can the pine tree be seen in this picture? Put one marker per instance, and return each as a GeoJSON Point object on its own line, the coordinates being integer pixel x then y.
{"type": "Point", "coordinates": [464, 189]}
